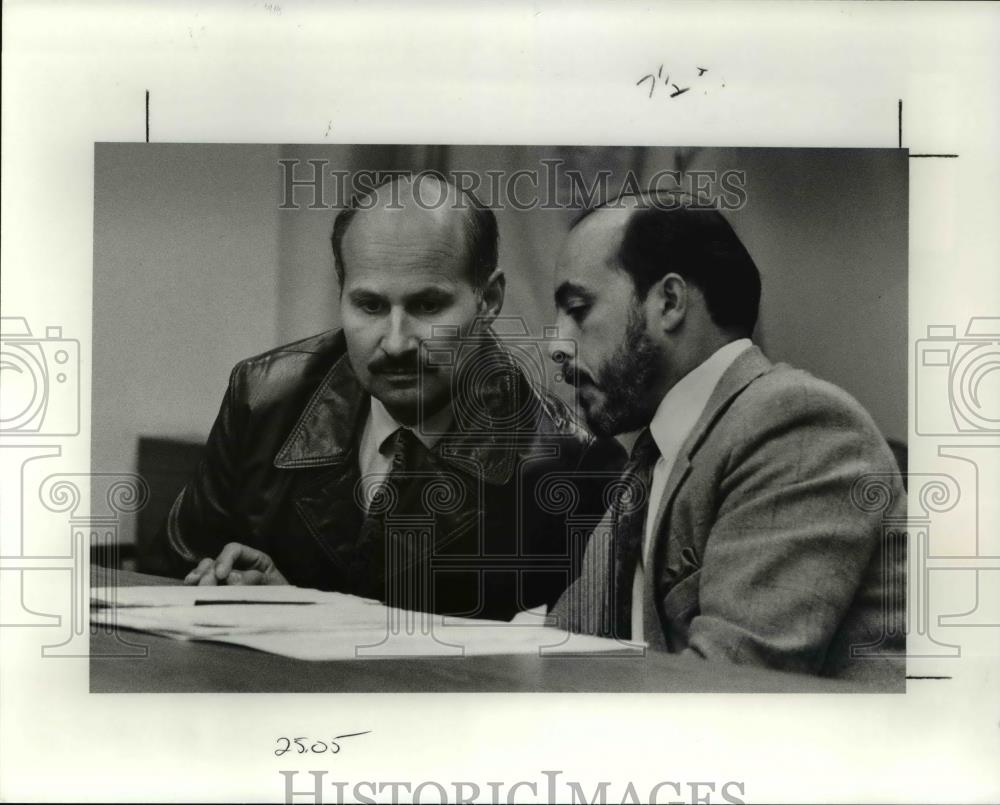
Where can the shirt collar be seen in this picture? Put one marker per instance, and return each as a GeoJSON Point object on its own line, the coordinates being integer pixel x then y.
{"type": "Point", "coordinates": [681, 407]}
{"type": "Point", "coordinates": [383, 425]}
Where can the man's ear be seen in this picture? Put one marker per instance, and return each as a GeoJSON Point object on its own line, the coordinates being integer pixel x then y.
{"type": "Point", "coordinates": [491, 301]}
{"type": "Point", "coordinates": [669, 299]}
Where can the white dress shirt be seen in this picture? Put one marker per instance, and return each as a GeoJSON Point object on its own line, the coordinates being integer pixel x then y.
{"type": "Point", "coordinates": [670, 427]}
{"type": "Point", "coordinates": [375, 447]}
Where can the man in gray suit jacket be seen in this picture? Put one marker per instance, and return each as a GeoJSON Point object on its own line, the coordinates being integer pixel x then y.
{"type": "Point", "coordinates": [745, 532]}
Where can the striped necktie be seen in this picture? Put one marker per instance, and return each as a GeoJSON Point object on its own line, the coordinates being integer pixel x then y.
{"type": "Point", "coordinates": [629, 509]}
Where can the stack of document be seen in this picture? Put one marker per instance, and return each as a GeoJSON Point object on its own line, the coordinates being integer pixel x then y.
{"type": "Point", "coordinates": [315, 625]}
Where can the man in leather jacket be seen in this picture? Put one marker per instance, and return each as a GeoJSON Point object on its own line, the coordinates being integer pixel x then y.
{"type": "Point", "coordinates": [407, 457]}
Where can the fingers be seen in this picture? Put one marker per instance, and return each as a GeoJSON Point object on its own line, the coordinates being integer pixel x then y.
{"type": "Point", "coordinates": [204, 566]}
{"type": "Point", "coordinates": [236, 564]}
{"type": "Point", "coordinates": [245, 578]}
{"type": "Point", "coordinates": [207, 579]}
{"type": "Point", "coordinates": [238, 556]}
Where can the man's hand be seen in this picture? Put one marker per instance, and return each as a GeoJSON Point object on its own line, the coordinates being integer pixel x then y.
{"type": "Point", "coordinates": [236, 564]}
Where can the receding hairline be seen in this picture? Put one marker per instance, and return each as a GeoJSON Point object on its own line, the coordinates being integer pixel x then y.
{"type": "Point", "coordinates": [477, 222]}
{"type": "Point", "coordinates": [446, 217]}
{"type": "Point", "coordinates": [594, 224]}
{"type": "Point", "coordinates": [452, 197]}
{"type": "Point", "coordinates": [636, 202]}
{"type": "Point", "coordinates": [450, 218]}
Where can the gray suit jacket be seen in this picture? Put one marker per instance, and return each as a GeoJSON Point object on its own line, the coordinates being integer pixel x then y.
{"type": "Point", "coordinates": [777, 541]}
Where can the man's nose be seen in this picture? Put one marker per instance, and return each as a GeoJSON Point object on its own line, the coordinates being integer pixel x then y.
{"type": "Point", "coordinates": [562, 350]}
{"type": "Point", "coordinates": [399, 338]}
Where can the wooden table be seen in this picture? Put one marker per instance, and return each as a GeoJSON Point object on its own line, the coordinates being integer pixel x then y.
{"type": "Point", "coordinates": [135, 662]}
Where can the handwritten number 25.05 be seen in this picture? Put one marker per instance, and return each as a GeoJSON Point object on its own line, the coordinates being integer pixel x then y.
{"type": "Point", "coordinates": [315, 747]}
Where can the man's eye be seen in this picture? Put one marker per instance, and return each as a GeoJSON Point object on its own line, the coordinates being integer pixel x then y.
{"type": "Point", "coordinates": [370, 306]}
{"type": "Point", "coordinates": [429, 307]}
{"type": "Point", "coordinates": [578, 312]}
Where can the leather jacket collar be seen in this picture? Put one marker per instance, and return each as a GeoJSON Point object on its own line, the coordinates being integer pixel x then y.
{"type": "Point", "coordinates": [326, 432]}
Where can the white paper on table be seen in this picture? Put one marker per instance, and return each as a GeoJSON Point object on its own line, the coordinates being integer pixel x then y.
{"type": "Point", "coordinates": [184, 595]}
{"type": "Point", "coordinates": [447, 641]}
{"type": "Point", "coordinates": [209, 620]}
{"type": "Point", "coordinates": [534, 616]}
{"type": "Point", "coordinates": [314, 625]}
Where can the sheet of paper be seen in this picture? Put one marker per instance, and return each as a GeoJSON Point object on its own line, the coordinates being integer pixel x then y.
{"type": "Point", "coordinates": [464, 641]}
{"type": "Point", "coordinates": [209, 620]}
{"type": "Point", "coordinates": [163, 596]}
{"type": "Point", "coordinates": [313, 625]}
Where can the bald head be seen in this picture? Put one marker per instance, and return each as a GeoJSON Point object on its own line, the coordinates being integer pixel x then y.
{"type": "Point", "coordinates": [595, 240]}
{"type": "Point", "coordinates": [423, 214]}
{"type": "Point", "coordinates": [648, 240]}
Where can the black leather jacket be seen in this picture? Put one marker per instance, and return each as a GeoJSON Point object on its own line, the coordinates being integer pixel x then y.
{"type": "Point", "coordinates": [485, 524]}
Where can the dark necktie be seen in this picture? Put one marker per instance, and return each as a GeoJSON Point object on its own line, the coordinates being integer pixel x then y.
{"type": "Point", "coordinates": [629, 509]}
{"type": "Point", "coordinates": [370, 549]}
{"type": "Point", "coordinates": [404, 445]}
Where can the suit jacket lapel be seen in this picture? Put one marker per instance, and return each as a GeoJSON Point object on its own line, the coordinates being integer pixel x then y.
{"type": "Point", "coordinates": [747, 367]}
{"type": "Point", "coordinates": [586, 605]}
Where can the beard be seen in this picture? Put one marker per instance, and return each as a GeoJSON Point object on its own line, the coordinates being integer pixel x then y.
{"type": "Point", "coordinates": [624, 383]}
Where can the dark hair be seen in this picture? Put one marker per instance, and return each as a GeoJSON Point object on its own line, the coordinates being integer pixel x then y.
{"type": "Point", "coordinates": [696, 242]}
{"type": "Point", "coordinates": [481, 233]}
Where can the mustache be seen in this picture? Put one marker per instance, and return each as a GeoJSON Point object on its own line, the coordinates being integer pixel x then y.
{"type": "Point", "coordinates": [576, 377]}
{"type": "Point", "coordinates": [401, 365]}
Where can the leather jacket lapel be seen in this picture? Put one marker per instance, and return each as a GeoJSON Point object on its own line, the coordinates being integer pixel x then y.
{"type": "Point", "coordinates": [323, 447]}
{"type": "Point", "coordinates": [327, 429]}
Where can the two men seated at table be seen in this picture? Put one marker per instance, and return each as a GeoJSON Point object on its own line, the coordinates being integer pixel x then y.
{"type": "Point", "coordinates": [397, 458]}
{"type": "Point", "coordinates": [740, 540]}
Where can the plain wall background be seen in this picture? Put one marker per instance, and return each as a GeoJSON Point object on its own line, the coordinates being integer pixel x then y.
{"type": "Point", "coordinates": [196, 266]}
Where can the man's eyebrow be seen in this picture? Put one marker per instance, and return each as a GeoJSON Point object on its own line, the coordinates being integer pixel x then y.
{"type": "Point", "coordinates": [427, 292]}
{"type": "Point", "coordinates": [360, 294]}
{"type": "Point", "coordinates": [431, 291]}
{"type": "Point", "coordinates": [568, 290]}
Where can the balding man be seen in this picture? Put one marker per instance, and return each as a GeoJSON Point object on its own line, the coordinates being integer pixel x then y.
{"type": "Point", "coordinates": [397, 458]}
{"type": "Point", "coordinates": [745, 538]}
